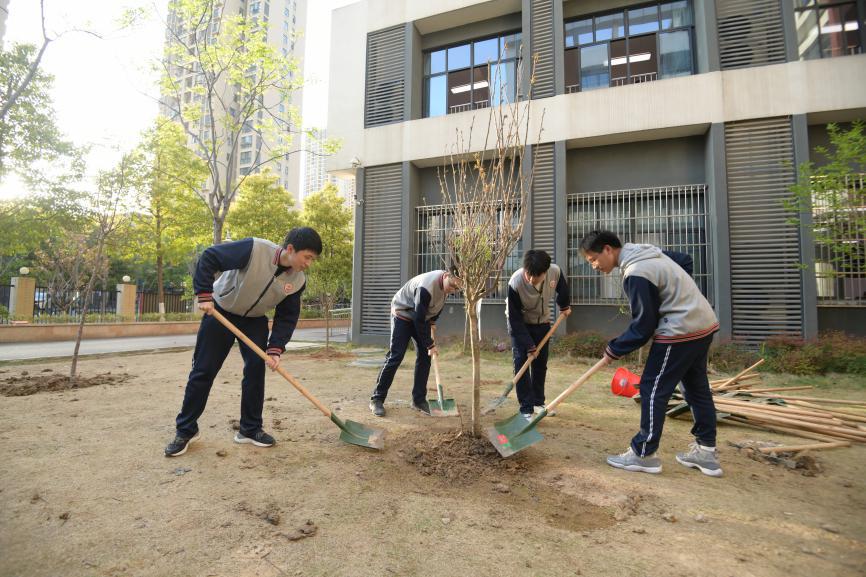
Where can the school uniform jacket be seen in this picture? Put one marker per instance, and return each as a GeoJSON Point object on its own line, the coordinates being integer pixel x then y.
{"type": "Point", "coordinates": [250, 282]}
{"type": "Point", "coordinates": [420, 301]}
{"type": "Point", "coordinates": [527, 305]}
{"type": "Point", "coordinates": [666, 304]}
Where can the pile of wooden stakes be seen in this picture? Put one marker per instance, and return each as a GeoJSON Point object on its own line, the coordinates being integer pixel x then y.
{"type": "Point", "coordinates": [831, 422]}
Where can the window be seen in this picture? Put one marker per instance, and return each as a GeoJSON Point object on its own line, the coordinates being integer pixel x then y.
{"type": "Point", "coordinates": [432, 223]}
{"type": "Point", "coordinates": [826, 29]}
{"type": "Point", "coordinates": [246, 141]}
{"type": "Point", "coordinates": [673, 218]}
{"type": "Point", "coordinates": [246, 157]}
{"type": "Point", "coordinates": [471, 75]}
{"type": "Point", "coordinates": [254, 7]}
{"type": "Point", "coordinates": [629, 46]}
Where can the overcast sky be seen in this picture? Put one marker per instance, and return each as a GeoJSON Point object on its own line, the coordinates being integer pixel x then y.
{"type": "Point", "coordinates": [105, 90]}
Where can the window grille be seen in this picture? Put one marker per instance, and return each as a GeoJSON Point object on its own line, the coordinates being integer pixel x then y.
{"type": "Point", "coordinates": [432, 226]}
{"type": "Point", "coordinates": [673, 218]}
{"type": "Point", "coordinates": [840, 247]}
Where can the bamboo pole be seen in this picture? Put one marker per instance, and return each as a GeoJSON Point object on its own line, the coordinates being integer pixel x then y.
{"type": "Point", "coordinates": [815, 399]}
{"type": "Point", "coordinates": [846, 415]}
{"type": "Point", "coordinates": [779, 429]}
{"type": "Point", "coordinates": [731, 407]}
{"type": "Point", "coordinates": [835, 431]}
{"type": "Point", "coordinates": [743, 378]}
{"type": "Point", "coordinates": [734, 379]}
{"type": "Point", "coordinates": [774, 389]}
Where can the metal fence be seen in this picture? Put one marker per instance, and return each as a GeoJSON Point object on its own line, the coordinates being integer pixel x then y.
{"type": "Point", "coordinates": [148, 302]}
{"type": "Point", "coordinates": [673, 218]}
{"type": "Point", "coordinates": [432, 224]}
{"type": "Point", "coordinates": [5, 295]}
{"type": "Point", "coordinates": [49, 305]}
{"type": "Point", "coordinates": [840, 247]}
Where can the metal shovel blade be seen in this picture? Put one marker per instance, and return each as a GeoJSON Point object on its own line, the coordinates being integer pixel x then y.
{"type": "Point", "coordinates": [358, 434]}
{"type": "Point", "coordinates": [514, 434]}
{"type": "Point", "coordinates": [440, 407]}
{"type": "Point", "coordinates": [494, 404]}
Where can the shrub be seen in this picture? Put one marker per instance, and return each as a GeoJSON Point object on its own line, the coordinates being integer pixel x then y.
{"type": "Point", "coordinates": [732, 357]}
{"type": "Point", "coordinates": [831, 352]}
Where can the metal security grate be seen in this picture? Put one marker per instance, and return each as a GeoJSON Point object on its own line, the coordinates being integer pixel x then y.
{"type": "Point", "coordinates": [751, 33]}
{"type": "Point", "coordinates": [672, 218]}
{"type": "Point", "coordinates": [541, 15]}
{"type": "Point", "coordinates": [385, 81]}
{"type": "Point", "coordinates": [766, 277]}
{"type": "Point", "coordinates": [380, 273]}
{"type": "Point", "coordinates": [433, 223]}
{"type": "Point", "coordinates": [840, 247]}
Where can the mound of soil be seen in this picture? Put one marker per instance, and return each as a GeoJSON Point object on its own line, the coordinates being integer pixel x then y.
{"type": "Point", "coordinates": [26, 384]}
{"type": "Point", "coordinates": [457, 457]}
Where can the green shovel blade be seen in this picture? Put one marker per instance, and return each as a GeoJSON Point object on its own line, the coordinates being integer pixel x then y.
{"type": "Point", "coordinates": [358, 434]}
{"type": "Point", "coordinates": [447, 408]}
{"type": "Point", "coordinates": [514, 434]}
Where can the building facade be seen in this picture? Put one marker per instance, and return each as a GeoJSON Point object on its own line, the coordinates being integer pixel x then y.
{"type": "Point", "coordinates": [680, 123]}
{"type": "Point", "coordinates": [315, 175]}
{"type": "Point", "coordinates": [282, 21]}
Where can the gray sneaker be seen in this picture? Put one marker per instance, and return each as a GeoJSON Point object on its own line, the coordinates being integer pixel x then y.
{"type": "Point", "coordinates": [705, 461]}
{"type": "Point", "coordinates": [630, 461]}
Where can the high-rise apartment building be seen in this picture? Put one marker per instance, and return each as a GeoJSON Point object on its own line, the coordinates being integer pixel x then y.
{"type": "Point", "coordinates": [315, 175]}
{"type": "Point", "coordinates": [678, 122]}
{"type": "Point", "coordinates": [282, 21]}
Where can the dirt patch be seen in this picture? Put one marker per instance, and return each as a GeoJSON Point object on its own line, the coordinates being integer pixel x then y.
{"type": "Point", "coordinates": [26, 384]}
{"type": "Point", "coordinates": [330, 354]}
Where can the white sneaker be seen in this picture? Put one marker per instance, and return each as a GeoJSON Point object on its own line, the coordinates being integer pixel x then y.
{"type": "Point", "coordinates": [527, 416]}
{"type": "Point", "coordinates": [538, 409]}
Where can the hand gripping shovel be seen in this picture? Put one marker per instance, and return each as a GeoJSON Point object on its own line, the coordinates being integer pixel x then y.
{"type": "Point", "coordinates": [352, 432]}
{"type": "Point", "coordinates": [517, 433]}
{"type": "Point", "coordinates": [440, 407]}
{"type": "Point", "coordinates": [497, 402]}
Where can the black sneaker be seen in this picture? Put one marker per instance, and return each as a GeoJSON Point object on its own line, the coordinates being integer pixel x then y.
{"type": "Point", "coordinates": [259, 439]}
{"type": "Point", "coordinates": [178, 447]}
{"type": "Point", "coordinates": [378, 407]}
{"type": "Point", "coordinates": [422, 407]}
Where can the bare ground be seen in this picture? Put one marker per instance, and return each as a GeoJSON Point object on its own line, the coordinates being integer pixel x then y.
{"type": "Point", "coordinates": [85, 489]}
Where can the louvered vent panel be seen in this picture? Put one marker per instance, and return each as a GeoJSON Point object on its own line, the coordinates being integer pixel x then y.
{"type": "Point", "coordinates": [385, 87]}
{"type": "Point", "coordinates": [766, 285]}
{"type": "Point", "coordinates": [544, 200]}
{"type": "Point", "coordinates": [541, 16]}
{"type": "Point", "coordinates": [751, 33]}
{"type": "Point", "coordinates": [380, 277]}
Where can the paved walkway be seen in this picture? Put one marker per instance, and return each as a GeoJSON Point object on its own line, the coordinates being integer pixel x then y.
{"type": "Point", "coordinates": [303, 338]}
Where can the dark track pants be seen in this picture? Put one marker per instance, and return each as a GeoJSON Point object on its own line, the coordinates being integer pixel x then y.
{"type": "Point", "coordinates": [401, 331]}
{"type": "Point", "coordinates": [530, 387]}
{"type": "Point", "coordinates": [212, 346]}
{"type": "Point", "coordinates": [666, 366]}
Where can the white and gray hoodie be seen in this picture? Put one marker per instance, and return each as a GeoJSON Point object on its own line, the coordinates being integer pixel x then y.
{"type": "Point", "coordinates": [666, 304]}
{"type": "Point", "coordinates": [420, 301]}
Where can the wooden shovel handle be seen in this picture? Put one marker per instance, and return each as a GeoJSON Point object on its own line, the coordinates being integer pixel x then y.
{"type": "Point", "coordinates": [255, 348]}
{"type": "Point", "coordinates": [585, 377]}
{"type": "Point", "coordinates": [435, 358]}
{"type": "Point", "coordinates": [538, 347]}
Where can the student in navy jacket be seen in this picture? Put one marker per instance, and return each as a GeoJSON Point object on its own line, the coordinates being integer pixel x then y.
{"type": "Point", "coordinates": [244, 280]}
{"type": "Point", "coordinates": [527, 312]}
{"type": "Point", "coordinates": [667, 307]}
{"type": "Point", "coordinates": [414, 309]}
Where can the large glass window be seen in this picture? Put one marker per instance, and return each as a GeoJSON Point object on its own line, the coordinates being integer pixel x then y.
{"type": "Point", "coordinates": [828, 28]}
{"type": "Point", "coordinates": [629, 46]}
{"type": "Point", "coordinates": [471, 75]}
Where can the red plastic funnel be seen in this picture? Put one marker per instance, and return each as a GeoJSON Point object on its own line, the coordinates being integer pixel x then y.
{"type": "Point", "coordinates": [624, 383]}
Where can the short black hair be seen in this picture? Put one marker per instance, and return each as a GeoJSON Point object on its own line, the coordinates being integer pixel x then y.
{"type": "Point", "coordinates": [304, 238]}
{"type": "Point", "coordinates": [596, 240]}
{"type": "Point", "coordinates": [536, 262]}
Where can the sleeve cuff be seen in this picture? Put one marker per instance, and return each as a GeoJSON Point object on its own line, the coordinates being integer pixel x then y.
{"type": "Point", "coordinates": [275, 351]}
{"type": "Point", "coordinates": [205, 297]}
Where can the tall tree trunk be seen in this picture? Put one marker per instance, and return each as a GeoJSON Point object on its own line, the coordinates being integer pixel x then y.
{"type": "Point", "coordinates": [476, 371]}
{"type": "Point", "coordinates": [217, 229]}
{"type": "Point", "coordinates": [327, 305]}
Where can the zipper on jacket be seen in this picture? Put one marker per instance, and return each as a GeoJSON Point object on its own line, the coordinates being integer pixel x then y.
{"type": "Point", "coordinates": [261, 295]}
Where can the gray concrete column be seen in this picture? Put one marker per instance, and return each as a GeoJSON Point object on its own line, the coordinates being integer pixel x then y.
{"type": "Point", "coordinates": [357, 260]}
{"type": "Point", "coordinates": [800, 131]}
{"type": "Point", "coordinates": [719, 249]}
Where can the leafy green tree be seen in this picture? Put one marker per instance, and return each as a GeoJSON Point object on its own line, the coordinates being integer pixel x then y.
{"type": "Point", "coordinates": [330, 278]}
{"type": "Point", "coordinates": [241, 87]}
{"type": "Point", "coordinates": [834, 196]}
{"type": "Point", "coordinates": [263, 209]}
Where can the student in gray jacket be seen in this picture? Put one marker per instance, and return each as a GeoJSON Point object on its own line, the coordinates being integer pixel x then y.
{"type": "Point", "coordinates": [527, 312]}
{"type": "Point", "coordinates": [252, 276]}
{"type": "Point", "coordinates": [414, 308]}
{"type": "Point", "coordinates": [667, 307]}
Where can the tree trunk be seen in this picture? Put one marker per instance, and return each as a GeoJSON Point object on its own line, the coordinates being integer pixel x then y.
{"type": "Point", "coordinates": [476, 372]}
{"type": "Point", "coordinates": [326, 302]}
{"type": "Point", "coordinates": [86, 297]}
{"type": "Point", "coordinates": [160, 291]}
{"type": "Point", "coordinates": [217, 230]}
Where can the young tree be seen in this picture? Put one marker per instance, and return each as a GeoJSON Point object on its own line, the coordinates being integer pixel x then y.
{"type": "Point", "coordinates": [241, 87]}
{"type": "Point", "coordinates": [835, 196]}
{"type": "Point", "coordinates": [330, 278]}
{"type": "Point", "coordinates": [487, 193]}
{"type": "Point", "coordinates": [263, 209]}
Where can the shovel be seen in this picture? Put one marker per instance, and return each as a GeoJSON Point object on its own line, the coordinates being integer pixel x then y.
{"type": "Point", "coordinates": [440, 407]}
{"type": "Point", "coordinates": [352, 432]}
{"type": "Point", "coordinates": [518, 432]}
{"type": "Point", "coordinates": [497, 402]}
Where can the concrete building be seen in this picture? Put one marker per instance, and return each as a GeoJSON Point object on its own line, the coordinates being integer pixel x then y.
{"type": "Point", "coordinates": [315, 176]}
{"type": "Point", "coordinates": [679, 123]}
{"type": "Point", "coordinates": [282, 21]}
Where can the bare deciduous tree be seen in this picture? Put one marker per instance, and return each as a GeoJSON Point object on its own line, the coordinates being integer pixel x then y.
{"type": "Point", "coordinates": [487, 192]}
